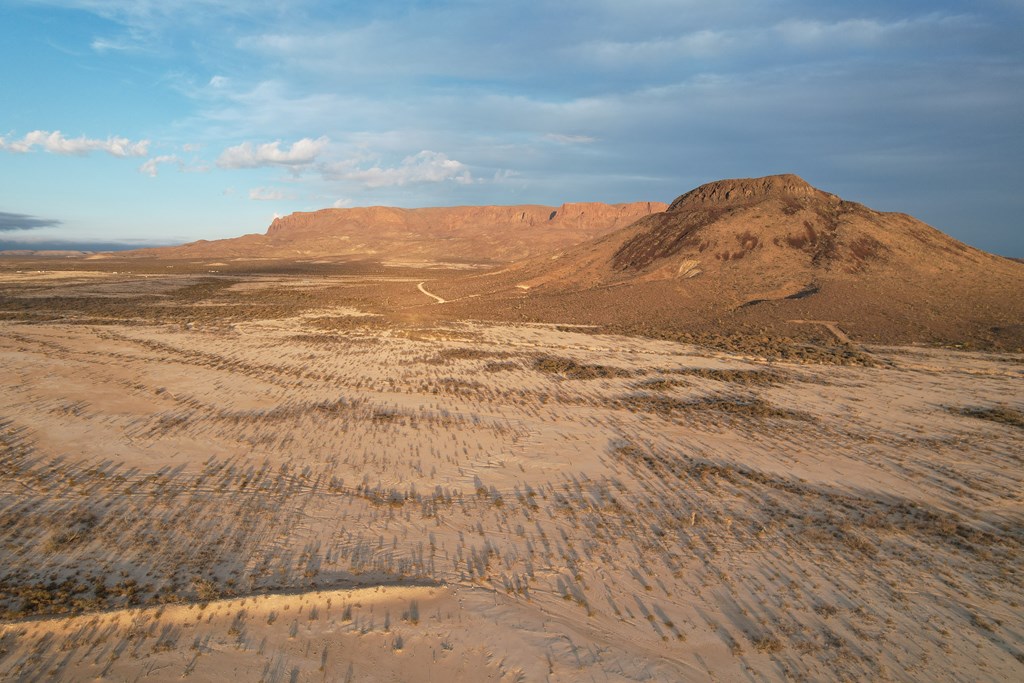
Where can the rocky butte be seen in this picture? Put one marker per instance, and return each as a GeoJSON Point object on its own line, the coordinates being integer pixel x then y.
{"type": "Point", "coordinates": [767, 251]}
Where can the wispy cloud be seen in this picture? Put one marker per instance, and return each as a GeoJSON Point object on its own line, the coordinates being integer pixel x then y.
{"type": "Point", "coordinates": [570, 139]}
{"type": "Point", "coordinates": [797, 34]}
{"type": "Point", "coordinates": [866, 31]}
{"type": "Point", "coordinates": [424, 167]}
{"type": "Point", "coordinates": [269, 194]}
{"type": "Point", "coordinates": [20, 221]}
{"type": "Point", "coordinates": [56, 143]}
{"type": "Point", "coordinates": [149, 167]}
{"type": "Point", "coordinates": [702, 43]}
{"type": "Point", "coordinates": [114, 45]}
{"type": "Point", "coordinates": [247, 155]}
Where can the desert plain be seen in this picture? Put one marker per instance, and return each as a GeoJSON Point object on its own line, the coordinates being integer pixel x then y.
{"type": "Point", "coordinates": [255, 474]}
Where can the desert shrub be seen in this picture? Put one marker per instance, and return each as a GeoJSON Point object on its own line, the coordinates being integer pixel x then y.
{"type": "Point", "coordinates": [501, 366]}
{"type": "Point", "coordinates": [1001, 413]}
{"type": "Point", "coordinates": [445, 355]}
{"type": "Point", "coordinates": [738, 406]}
{"type": "Point", "coordinates": [206, 589]}
{"type": "Point", "coordinates": [658, 384]}
{"type": "Point", "coordinates": [571, 369]}
{"type": "Point", "coordinates": [767, 644]}
{"type": "Point", "coordinates": [746, 377]}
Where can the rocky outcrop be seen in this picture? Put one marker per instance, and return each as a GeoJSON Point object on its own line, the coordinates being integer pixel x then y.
{"type": "Point", "coordinates": [741, 191]}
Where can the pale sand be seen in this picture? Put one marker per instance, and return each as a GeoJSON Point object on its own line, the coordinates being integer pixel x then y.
{"type": "Point", "coordinates": [424, 504]}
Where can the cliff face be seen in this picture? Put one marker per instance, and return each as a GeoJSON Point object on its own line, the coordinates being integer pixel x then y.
{"type": "Point", "coordinates": [477, 233]}
{"type": "Point", "coordinates": [463, 220]}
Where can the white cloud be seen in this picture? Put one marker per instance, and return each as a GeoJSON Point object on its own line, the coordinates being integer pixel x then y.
{"type": "Point", "coordinates": [149, 167]}
{"type": "Point", "coordinates": [247, 155]}
{"type": "Point", "coordinates": [56, 143]}
{"type": "Point", "coordinates": [268, 194]}
{"type": "Point", "coordinates": [342, 203]}
{"type": "Point", "coordinates": [424, 167]}
{"type": "Point", "coordinates": [505, 174]}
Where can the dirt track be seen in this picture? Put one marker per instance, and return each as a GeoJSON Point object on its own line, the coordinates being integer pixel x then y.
{"type": "Point", "coordinates": [432, 296]}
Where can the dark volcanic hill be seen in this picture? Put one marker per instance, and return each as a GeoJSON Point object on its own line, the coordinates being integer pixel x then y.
{"type": "Point", "coordinates": [465, 233]}
{"type": "Point", "coordinates": [761, 252]}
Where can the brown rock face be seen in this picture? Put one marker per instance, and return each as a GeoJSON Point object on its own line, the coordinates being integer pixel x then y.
{"type": "Point", "coordinates": [477, 233]}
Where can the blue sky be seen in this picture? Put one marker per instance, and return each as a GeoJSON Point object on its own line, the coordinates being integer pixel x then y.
{"type": "Point", "coordinates": [163, 121]}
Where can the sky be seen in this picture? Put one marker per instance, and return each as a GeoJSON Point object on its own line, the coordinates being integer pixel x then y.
{"type": "Point", "coordinates": [166, 121]}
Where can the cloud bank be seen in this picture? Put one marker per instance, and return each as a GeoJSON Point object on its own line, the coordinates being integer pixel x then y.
{"type": "Point", "coordinates": [20, 221]}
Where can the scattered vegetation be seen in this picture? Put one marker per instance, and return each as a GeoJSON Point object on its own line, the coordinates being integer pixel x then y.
{"type": "Point", "coordinates": [571, 369]}
{"type": "Point", "coordinates": [760, 377]}
{"type": "Point", "coordinates": [1002, 414]}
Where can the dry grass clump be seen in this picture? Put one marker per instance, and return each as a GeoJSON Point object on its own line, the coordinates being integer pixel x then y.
{"type": "Point", "coordinates": [203, 290]}
{"type": "Point", "coordinates": [1001, 413]}
{"type": "Point", "coordinates": [349, 322]}
{"type": "Point", "coordinates": [756, 343]}
{"type": "Point", "coordinates": [74, 530]}
{"type": "Point", "coordinates": [69, 595]}
{"type": "Point", "coordinates": [736, 406]}
{"type": "Point", "coordinates": [322, 339]}
{"type": "Point", "coordinates": [501, 366]}
{"type": "Point", "coordinates": [659, 384]}
{"type": "Point", "coordinates": [571, 369]}
{"type": "Point", "coordinates": [766, 644]}
{"type": "Point", "coordinates": [445, 356]}
{"type": "Point", "coordinates": [759, 378]}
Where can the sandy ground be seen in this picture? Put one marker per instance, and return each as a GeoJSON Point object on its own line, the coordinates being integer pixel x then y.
{"type": "Point", "coordinates": [326, 496]}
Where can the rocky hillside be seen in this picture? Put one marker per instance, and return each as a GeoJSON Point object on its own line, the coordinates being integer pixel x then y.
{"type": "Point", "coordinates": [763, 251]}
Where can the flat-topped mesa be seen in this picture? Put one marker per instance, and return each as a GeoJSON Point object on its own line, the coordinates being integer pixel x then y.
{"type": "Point", "coordinates": [464, 218]}
{"type": "Point", "coordinates": [302, 221]}
{"type": "Point", "coordinates": [740, 191]}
